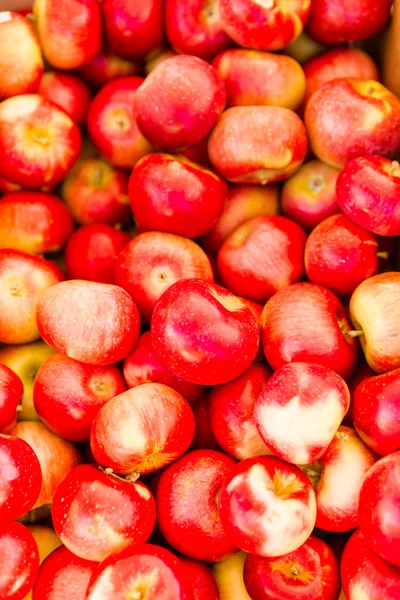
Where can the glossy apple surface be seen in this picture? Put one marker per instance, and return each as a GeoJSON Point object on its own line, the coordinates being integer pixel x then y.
{"type": "Point", "coordinates": [11, 391]}
{"type": "Point", "coordinates": [19, 569]}
{"type": "Point", "coordinates": [68, 92]}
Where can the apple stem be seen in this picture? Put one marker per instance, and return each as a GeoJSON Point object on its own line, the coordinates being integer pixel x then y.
{"type": "Point", "coordinates": [384, 255]}
{"type": "Point", "coordinates": [355, 333]}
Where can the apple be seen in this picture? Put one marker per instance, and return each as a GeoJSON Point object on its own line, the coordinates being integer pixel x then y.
{"type": "Point", "coordinates": [63, 27]}
{"type": "Point", "coordinates": [156, 57]}
{"type": "Point", "coordinates": [155, 260]}
{"type": "Point", "coordinates": [192, 525]}
{"type": "Point", "coordinates": [143, 365]}
{"type": "Point", "coordinates": [147, 571]}
{"type": "Point", "coordinates": [309, 196]}
{"type": "Point", "coordinates": [340, 255]}
{"type": "Point", "coordinates": [11, 391]}
{"type": "Point", "coordinates": [20, 55]}
{"type": "Point", "coordinates": [20, 561]}
{"type": "Point", "coordinates": [374, 312]}
{"type": "Point", "coordinates": [260, 78]}
{"type": "Point", "coordinates": [258, 144]}
{"type": "Point", "coordinates": [286, 321]}
{"type": "Point", "coordinates": [231, 413]}
{"type": "Point", "coordinates": [195, 27]}
{"type": "Point", "coordinates": [142, 429]}
{"type": "Point", "coordinates": [204, 438]}
{"type": "Point", "coordinates": [95, 323]}
{"type": "Point", "coordinates": [170, 193]}
{"type": "Point", "coordinates": [112, 125]}
{"type": "Point", "coordinates": [337, 477]}
{"type": "Point", "coordinates": [68, 92]}
{"type": "Point", "coordinates": [202, 580]}
{"type": "Point", "coordinates": [262, 256]}
{"type": "Point", "coordinates": [105, 66]}
{"type": "Point", "coordinates": [264, 25]}
{"type": "Point", "coordinates": [303, 48]}
{"type": "Point", "coordinates": [68, 394]}
{"type": "Point", "coordinates": [368, 115]}
{"type": "Point", "coordinates": [39, 143]}
{"type": "Point", "coordinates": [62, 571]}
{"type": "Point", "coordinates": [267, 507]}
{"type": "Point", "coordinates": [203, 333]}
{"type": "Point", "coordinates": [97, 192]}
{"type": "Point", "coordinates": [367, 192]}
{"type": "Point", "coordinates": [133, 29]}
{"type": "Point", "coordinates": [309, 573]}
{"type": "Point", "coordinates": [34, 222]}
{"type": "Point", "coordinates": [229, 576]}
{"type": "Point", "coordinates": [337, 22]}
{"type": "Point", "coordinates": [171, 108]}
{"type": "Point", "coordinates": [363, 371]}
{"type": "Point", "coordinates": [46, 538]}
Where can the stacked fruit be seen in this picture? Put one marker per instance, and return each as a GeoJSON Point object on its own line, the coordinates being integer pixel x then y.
{"type": "Point", "coordinates": [200, 331]}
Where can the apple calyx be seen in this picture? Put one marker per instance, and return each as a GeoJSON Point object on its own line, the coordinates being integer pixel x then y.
{"type": "Point", "coordinates": [292, 570]}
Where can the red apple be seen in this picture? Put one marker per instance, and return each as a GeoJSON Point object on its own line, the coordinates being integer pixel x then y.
{"type": "Point", "coordinates": [20, 561]}
{"type": "Point", "coordinates": [309, 196]}
{"type": "Point", "coordinates": [39, 143]}
{"type": "Point", "coordinates": [170, 193]}
{"type": "Point", "coordinates": [335, 22]}
{"type": "Point", "coordinates": [155, 260]}
{"type": "Point", "coordinates": [21, 62]}
{"type": "Point", "coordinates": [142, 429]}
{"type": "Point", "coordinates": [367, 192]}
{"type": "Point", "coordinates": [64, 26]}
{"type": "Point", "coordinates": [260, 78]}
{"type": "Point", "coordinates": [171, 108]}
{"type": "Point", "coordinates": [264, 25]}
{"type": "Point", "coordinates": [309, 573]}
{"type": "Point", "coordinates": [202, 580]}
{"type": "Point", "coordinates": [348, 118]}
{"type": "Point", "coordinates": [106, 66]}
{"type": "Point", "coordinates": [94, 323]}
{"type": "Point", "coordinates": [68, 92]}
{"type": "Point", "coordinates": [289, 317]}
{"type": "Point", "coordinates": [267, 507]}
{"type": "Point", "coordinates": [231, 413]}
{"type": "Point", "coordinates": [92, 251]}
{"type": "Point", "coordinates": [258, 144]}
{"type": "Point", "coordinates": [362, 372]}
{"type": "Point", "coordinates": [192, 525]}
{"type": "Point", "coordinates": [133, 29]}
{"type": "Point", "coordinates": [203, 333]}
{"type": "Point", "coordinates": [143, 365]}
{"type": "Point", "coordinates": [229, 576]}
{"type": "Point", "coordinates": [195, 27]}
{"type": "Point", "coordinates": [204, 438]}
{"type": "Point", "coordinates": [340, 255]}
{"type": "Point", "coordinates": [11, 390]}
{"type": "Point", "coordinates": [262, 256]}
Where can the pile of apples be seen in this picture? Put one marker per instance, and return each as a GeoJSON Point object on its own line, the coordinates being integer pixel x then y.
{"type": "Point", "coordinates": [199, 302]}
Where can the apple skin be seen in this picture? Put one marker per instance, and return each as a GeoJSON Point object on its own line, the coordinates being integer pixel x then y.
{"type": "Point", "coordinates": [374, 311]}
{"type": "Point", "coordinates": [34, 222]}
{"type": "Point", "coordinates": [267, 507]}
{"type": "Point", "coordinates": [337, 477]}
{"type": "Point", "coordinates": [147, 569]}
{"type": "Point", "coordinates": [340, 255]}
{"type": "Point", "coordinates": [231, 413]}
{"type": "Point", "coordinates": [203, 333]}
{"type": "Point", "coordinates": [30, 126]}
{"type": "Point", "coordinates": [264, 25]}
{"type": "Point", "coordinates": [363, 371]}
{"type": "Point", "coordinates": [204, 438]}
{"type": "Point", "coordinates": [68, 92]}
{"type": "Point", "coordinates": [202, 580]}
{"type": "Point", "coordinates": [106, 66]}
{"type": "Point", "coordinates": [63, 27]}
{"type": "Point", "coordinates": [309, 573]}
{"type": "Point", "coordinates": [46, 538]}
{"type": "Point", "coordinates": [198, 153]}
{"type": "Point", "coordinates": [348, 118]}
{"type": "Point", "coordinates": [67, 408]}
{"type": "Point", "coordinates": [18, 573]}
{"type": "Point", "coordinates": [286, 322]}
{"type": "Point", "coordinates": [143, 365]}
{"type": "Point", "coordinates": [170, 193]}
{"type": "Point", "coordinates": [155, 260]}
{"type": "Point", "coordinates": [92, 251]}
{"type": "Point", "coordinates": [260, 78]}
{"type": "Point", "coordinates": [244, 202]}
{"type": "Point", "coordinates": [133, 29]}
{"type": "Point", "coordinates": [20, 55]}
{"type": "Point", "coordinates": [229, 576]}
{"type": "Point", "coordinates": [309, 196]}
{"type": "Point", "coordinates": [258, 144]}
{"type": "Point", "coordinates": [192, 526]}
{"type": "Point", "coordinates": [11, 391]}
{"type": "Point", "coordinates": [262, 256]}
{"type": "Point", "coordinates": [303, 48]}
{"type": "Point", "coordinates": [299, 410]}
{"type": "Point", "coordinates": [367, 192]}
{"type": "Point", "coordinates": [161, 419]}
{"type": "Point", "coordinates": [112, 124]}
{"type": "Point", "coordinates": [95, 323]}
{"type": "Point", "coordinates": [194, 27]}
{"type": "Point", "coordinates": [336, 22]}
{"type": "Point", "coordinates": [174, 93]}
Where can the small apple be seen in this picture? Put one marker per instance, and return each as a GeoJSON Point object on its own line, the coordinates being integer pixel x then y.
{"type": "Point", "coordinates": [68, 92]}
